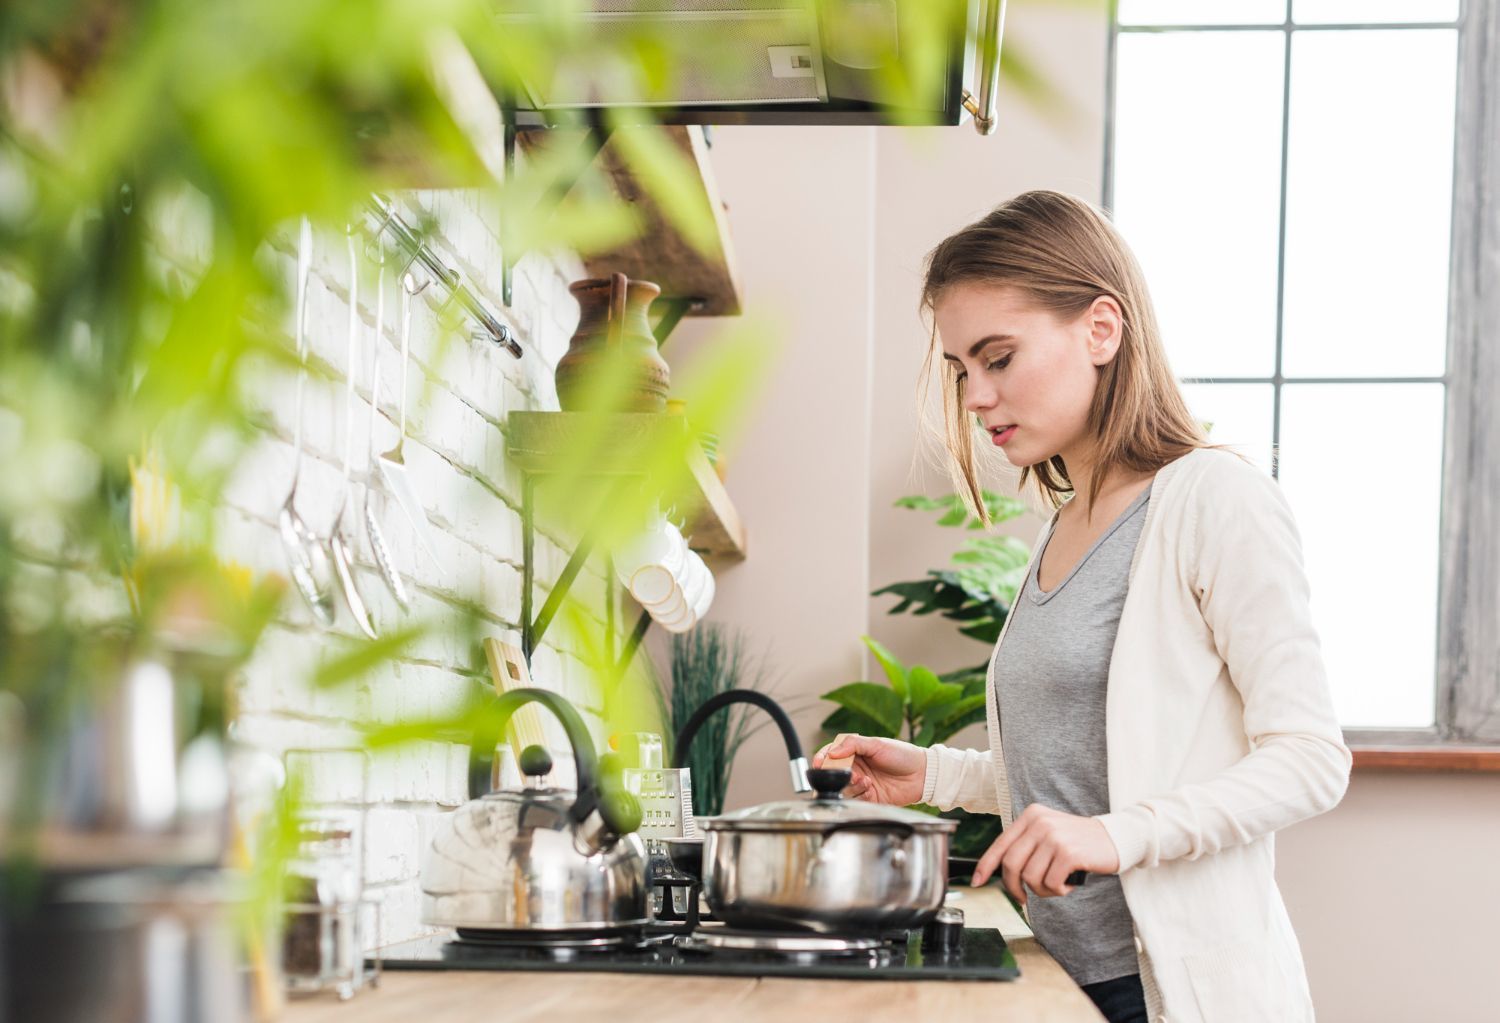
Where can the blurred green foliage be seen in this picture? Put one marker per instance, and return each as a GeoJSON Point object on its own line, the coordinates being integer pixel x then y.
{"type": "Point", "coordinates": [152, 152]}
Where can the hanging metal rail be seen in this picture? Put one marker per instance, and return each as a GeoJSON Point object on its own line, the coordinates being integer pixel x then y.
{"type": "Point", "coordinates": [388, 221]}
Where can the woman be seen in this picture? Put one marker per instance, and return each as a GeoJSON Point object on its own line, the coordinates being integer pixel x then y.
{"type": "Point", "coordinates": [1157, 703]}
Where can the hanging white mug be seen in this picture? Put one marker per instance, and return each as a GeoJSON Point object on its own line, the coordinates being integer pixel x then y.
{"type": "Point", "coordinates": [650, 565]}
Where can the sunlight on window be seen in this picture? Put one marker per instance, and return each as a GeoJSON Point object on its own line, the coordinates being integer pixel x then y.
{"type": "Point", "coordinates": [1239, 417]}
{"type": "Point", "coordinates": [1197, 190]}
{"type": "Point", "coordinates": [1196, 12]}
{"type": "Point", "coordinates": [1372, 12]}
{"type": "Point", "coordinates": [1369, 201]}
{"type": "Point", "coordinates": [1362, 467]}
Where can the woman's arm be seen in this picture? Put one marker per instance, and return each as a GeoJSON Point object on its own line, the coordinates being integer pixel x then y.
{"type": "Point", "coordinates": [968, 778]}
{"type": "Point", "coordinates": [1252, 589]}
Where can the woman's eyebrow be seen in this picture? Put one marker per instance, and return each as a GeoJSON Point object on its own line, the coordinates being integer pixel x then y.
{"type": "Point", "coordinates": [978, 346]}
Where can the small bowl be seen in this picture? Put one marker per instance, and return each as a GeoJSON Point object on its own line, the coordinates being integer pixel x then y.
{"type": "Point", "coordinates": [686, 856]}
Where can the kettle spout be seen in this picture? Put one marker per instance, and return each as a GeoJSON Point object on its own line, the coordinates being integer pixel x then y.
{"type": "Point", "coordinates": [617, 814]}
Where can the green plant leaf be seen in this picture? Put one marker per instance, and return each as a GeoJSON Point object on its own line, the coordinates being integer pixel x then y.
{"type": "Point", "coordinates": [976, 832]}
{"type": "Point", "coordinates": [846, 720]}
{"type": "Point", "coordinates": [943, 695]}
{"type": "Point", "coordinates": [952, 726]}
{"type": "Point", "coordinates": [955, 516]}
{"type": "Point", "coordinates": [961, 708]}
{"type": "Point", "coordinates": [894, 669]}
{"type": "Point", "coordinates": [922, 592]}
{"type": "Point", "coordinates": [921, 684]}
{"type": "Point", "coordinates": [985, 632]}
{"type": "Point", "coordinates": [871, 700]}
{"type": "Point", "coordinates": [365, 657]}
{"type": "Point", "coordinates": [965, 675]}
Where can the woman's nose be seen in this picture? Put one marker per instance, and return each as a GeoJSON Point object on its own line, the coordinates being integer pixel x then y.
{"type": "Point", "coordinates": [978, 397]}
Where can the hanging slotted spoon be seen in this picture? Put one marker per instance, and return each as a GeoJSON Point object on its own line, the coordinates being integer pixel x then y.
{"type": "Point", "coordinates": [311, 572]}
{"type": "Point", "coordinates": [392, 464]}
{"type": "Point", "coordinates": [373, 531]}
{"type": "Point", "coordinates": [343, 558]}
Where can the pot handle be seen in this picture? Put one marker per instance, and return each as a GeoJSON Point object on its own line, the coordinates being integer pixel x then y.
{"type": "Point", "coordinates": [896, 828]}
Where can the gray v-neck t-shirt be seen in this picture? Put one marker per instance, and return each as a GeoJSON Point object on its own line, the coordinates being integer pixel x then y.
{"type": "Point", "coordinates": [1051, 675]}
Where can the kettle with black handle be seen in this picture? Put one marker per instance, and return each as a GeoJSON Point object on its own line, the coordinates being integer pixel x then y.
{"type": "Point", "coordinates": [541, 860]}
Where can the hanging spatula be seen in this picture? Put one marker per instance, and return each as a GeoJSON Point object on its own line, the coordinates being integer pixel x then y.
{"type": "Point", "coordinates": [392, 464]}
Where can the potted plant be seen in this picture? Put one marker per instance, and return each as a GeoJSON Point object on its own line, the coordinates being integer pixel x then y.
{"type": "Point", "coordinates": [916, 703]}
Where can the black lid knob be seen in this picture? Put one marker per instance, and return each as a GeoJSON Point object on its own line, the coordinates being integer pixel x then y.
{"type": "Point", "coordinates": [829, 784]}
{"type": "Point", "coordinates": [535, 761]}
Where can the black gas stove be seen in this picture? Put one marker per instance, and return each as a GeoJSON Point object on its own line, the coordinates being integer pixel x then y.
{"type": "Point", "coordinates": [945, 951]}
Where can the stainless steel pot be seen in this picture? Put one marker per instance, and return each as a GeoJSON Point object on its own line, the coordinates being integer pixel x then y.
{"type": "Point", "coordinates": [828, 864]}
{"type": "Point", "coordinates": [149, 944]}
{"type": "Point", "coordinates": [540, 861]}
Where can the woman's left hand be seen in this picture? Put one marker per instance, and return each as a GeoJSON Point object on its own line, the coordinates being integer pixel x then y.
{"type": "Point", "coordinates": [1042, 847]}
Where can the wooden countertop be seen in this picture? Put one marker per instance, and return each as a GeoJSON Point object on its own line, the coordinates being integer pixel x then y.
{"type": "Point", "coordinates": [1043, 994]}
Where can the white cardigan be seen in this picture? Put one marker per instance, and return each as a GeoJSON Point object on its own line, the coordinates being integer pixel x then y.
{"type": "Point", "coordinates": [1221, 730]}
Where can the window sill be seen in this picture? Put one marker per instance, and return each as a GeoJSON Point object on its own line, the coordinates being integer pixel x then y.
{"type": "Point", "coordinates": [1446, 759]}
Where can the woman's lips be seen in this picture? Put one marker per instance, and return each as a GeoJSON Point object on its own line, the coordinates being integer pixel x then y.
{"type": "Point", "coordinates": [1003, 435]}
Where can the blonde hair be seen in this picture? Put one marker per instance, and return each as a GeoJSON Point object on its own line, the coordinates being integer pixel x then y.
{"type": "Point", "coordinates": [1063, 253]}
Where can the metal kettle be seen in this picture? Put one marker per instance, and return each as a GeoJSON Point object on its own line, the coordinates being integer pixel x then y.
{"type": "Point", "coordinates": [541, 861]}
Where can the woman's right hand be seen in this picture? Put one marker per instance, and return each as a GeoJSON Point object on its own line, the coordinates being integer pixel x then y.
{"type": "Point", "coordinates": [884, 770]}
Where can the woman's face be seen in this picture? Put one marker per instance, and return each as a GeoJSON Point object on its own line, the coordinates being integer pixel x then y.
{"type": "Point", "coordinates": [1028, 376]}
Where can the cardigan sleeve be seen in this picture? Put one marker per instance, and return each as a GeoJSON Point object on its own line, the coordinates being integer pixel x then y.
{"type": "Point", "coordinates": [1247, 574]}
{"type": "Point", "coordinates": [965, 778]}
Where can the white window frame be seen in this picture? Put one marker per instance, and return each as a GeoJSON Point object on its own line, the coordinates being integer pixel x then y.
{"type": "Point", "coordinates": [1468, 629]}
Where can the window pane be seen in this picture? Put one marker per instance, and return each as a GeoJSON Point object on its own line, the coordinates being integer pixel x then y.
{"type": "Point", "coordinates": [1197, 172]}
{"type": "Point", "coordinates": [1362, 467]}
{"type": "Point", "coordinates": [1196, 12]}
{"type": "Point", "coordinates": [1369, 203]}
{"type": "Point", "coordinates": [1372, 12]}
{"type": "Point", "coordinates": [1239, 415]}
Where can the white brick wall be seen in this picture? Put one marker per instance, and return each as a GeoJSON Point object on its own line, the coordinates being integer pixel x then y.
{"type": "Point", "coordinates": [460, 393]}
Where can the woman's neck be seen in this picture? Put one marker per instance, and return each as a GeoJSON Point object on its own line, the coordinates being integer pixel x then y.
{"type": "Point", "coordinates": [1080, 463]}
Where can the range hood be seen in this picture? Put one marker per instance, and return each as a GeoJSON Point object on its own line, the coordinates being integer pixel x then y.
{"type": "Point", "coordinates": [775, 62]}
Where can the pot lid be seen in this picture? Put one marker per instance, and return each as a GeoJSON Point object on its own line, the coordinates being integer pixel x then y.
{"type": "Point", "coordinates": [828, 808]}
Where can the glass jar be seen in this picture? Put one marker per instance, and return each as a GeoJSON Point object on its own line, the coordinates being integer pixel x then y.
{"type": "Point", "coordinates": [321, 946]}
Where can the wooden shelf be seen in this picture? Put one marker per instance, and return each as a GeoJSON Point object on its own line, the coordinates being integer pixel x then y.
{"type": "Point", "coordinates": [659, 253]}
{"type": "Point", "coordinates": [539, 443]}
{"type": "Point", "coordinates": [1427, 758]}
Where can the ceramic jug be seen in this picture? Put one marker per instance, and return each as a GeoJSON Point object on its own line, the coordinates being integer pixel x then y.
{"type": "Point", "coordinates": [613, 335]}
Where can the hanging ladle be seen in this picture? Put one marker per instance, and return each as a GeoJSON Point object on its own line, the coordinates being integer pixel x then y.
{"type": "Point", "coordinates": [384, 560]}
{"type": "Point", "coordinates": [311, 572]}
{"type": "Point", "coordinates": [343, 559]}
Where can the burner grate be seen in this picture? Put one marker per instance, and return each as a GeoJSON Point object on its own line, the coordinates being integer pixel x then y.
{"type": "Point", "coordinates": [603, 940]}
{"type": "Point", "coordinates": [733, 940]}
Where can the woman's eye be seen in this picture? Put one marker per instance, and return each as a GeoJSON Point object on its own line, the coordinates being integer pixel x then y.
{"type": "Point", "coordinates": [998, 364]}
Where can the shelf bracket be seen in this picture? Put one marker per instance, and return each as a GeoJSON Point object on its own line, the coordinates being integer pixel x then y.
{"type": "Point", "coordinates": [633, 643]}
{"type": "Point", "coordinates": [672, 312]}
{"type": "Point", "coordinates": [533, 630]}
{"type": "Point", "coordinates": [594, 142]}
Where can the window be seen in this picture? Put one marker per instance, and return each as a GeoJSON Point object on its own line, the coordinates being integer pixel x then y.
{"type": "Point", "coordinates": [1313, 191]}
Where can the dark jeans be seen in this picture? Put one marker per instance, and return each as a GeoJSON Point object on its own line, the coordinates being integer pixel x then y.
{"type": "Point", "coordinates": [1122, 1000]}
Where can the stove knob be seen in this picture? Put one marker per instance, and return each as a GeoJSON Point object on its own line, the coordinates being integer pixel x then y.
{"type": "Point", "coordinates": [944, 932]}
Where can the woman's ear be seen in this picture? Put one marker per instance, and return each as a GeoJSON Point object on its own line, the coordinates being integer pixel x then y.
{"type": "Point", "coordinates": [1106, 329]}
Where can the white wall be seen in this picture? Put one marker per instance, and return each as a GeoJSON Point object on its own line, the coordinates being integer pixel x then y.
{"type": "Point", "coordinates": [460, 394]}
{"type": "Point", "coordinates": [1394, 892]}
{"type": "Point", "coordinates": [801, 205]}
